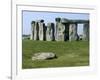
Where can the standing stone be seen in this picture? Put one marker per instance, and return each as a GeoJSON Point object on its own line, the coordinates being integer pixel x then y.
{"type": "Point", "coordinates": [66, 32]}
{"type": "Point", "coordinates": [51, 30]}
{"type": "Point", "coordinates": [56, 28]}
{"type": "Point", "coordinates": [72, 32]}
{"type": "Point", "coordinates": [86, 31]}
{"type": "Point", "coordinates": [41, 25]}
{"type": "Point", "coordinates": [48, 32]}
{"type": "Point", "coordinates": [65, 23]}
{"type": "Point", "coordinates": [44, 32]}
{"type": "Point", "coordinates": [36, 31]}
{"type": "Point", "coordinates": [32, 30]}
{"type": "Point", "coordinates": [59, 30]}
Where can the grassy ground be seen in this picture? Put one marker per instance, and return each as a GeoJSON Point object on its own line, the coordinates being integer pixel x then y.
{"type": "Point", "coordinates": [69, 53]}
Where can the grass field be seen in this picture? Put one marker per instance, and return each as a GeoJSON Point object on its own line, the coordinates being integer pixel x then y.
{"type": "Point", "coordinates": [69, 54]}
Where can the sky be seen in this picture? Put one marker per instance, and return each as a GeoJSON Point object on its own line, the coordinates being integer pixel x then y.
{"type": "Point", "coordinates": [29, 16]}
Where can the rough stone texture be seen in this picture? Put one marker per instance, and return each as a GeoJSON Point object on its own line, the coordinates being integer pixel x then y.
{"type": "Point", "coordinates": [41, 31]}
{"type": "Point", "coordinates": [43, 56]}
{"type": "Point", "coordinates": [51, 32]}
{"type": "Point", "coordinates": [66, 32]}
{"type": "Point", "coordinates": [64, 29]}
{"type": "Point", "coordinates": [48, 32]}
{"type": "Point", "coordinates": [73, 32]}
{"type": "Point", "coordinates": [32, 30]}
{"type": "Point", "coordinates": [60, 31]}
{"type": "Point", "coordinates": [44, 32]}
{"type": "Point", "coordinates": [86, 31]}
{"type": "Point", "coordinates": [35, 31]}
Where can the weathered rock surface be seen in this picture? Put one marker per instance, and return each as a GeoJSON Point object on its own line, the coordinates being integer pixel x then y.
{"type": "Point", "coordinates": [44, 56]}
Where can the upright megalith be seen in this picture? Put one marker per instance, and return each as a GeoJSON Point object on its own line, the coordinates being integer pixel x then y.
{"type": "Point", "coordinates": [56, 28]}
{"type": "Point", "coordinates": [65, 23]}
{"type": "Point", "coordinates": [86, 31]}
{"type": "Point", "coordinates": [37, 31]}
{"type": "Point", "coordinates": [73, 32]}
{"type": "Point", "coordinates": [50, 32]}
{"type": "Point", "coordinates": [32, 30]}
{"type": "Point", "coordinates": [60, 29]}
{"type": "Point", "coordinates": [66, 32]}
{"type": "Point", "coordinates": [41, 26]}
{"type": "Point", "coordinates": [44, 31]}
{"type": "Point", "coordinates": [53, 31]}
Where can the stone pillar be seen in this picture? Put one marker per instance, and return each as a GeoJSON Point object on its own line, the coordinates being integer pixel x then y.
{"type": "Point", "coordinates": [44, 32]}
{"type": "Point", "coordinates": [48, 32]}
{"type": "Point", "coordinates": [41, 25]}
{"type": "Point", "coordinates": [72, 32]}
{"type": "Point", "coordinates": [56, 28]}
{"type": "Point", "coordinates": [66, 32]}
{"type": "Point", "coordinates": [65, 23]}
{"type": "Point", "coordinates": [36, 31]}
{"type": "Point", "coordinates": [60, 28]}
{"type": "Point", "coordinates": [32, 30]}
{"type": "Point", "coordinates": [86, 31]}
{"type": "Point", "coordinates": [51, 30]}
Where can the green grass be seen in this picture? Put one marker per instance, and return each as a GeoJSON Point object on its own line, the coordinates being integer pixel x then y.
{"type": "Point", "coordinates": [69, 54]}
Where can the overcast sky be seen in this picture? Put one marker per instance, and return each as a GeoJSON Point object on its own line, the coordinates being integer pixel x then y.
{"type": "Point", "coordinates": [28, 16]}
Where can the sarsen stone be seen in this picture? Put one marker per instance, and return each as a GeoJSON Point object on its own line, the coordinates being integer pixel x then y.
{"type": "Point", "coordinates": [44, 56]}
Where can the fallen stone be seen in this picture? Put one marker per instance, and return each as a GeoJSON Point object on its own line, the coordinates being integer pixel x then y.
{"type": "Point", "coordinates": [44, 56]}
